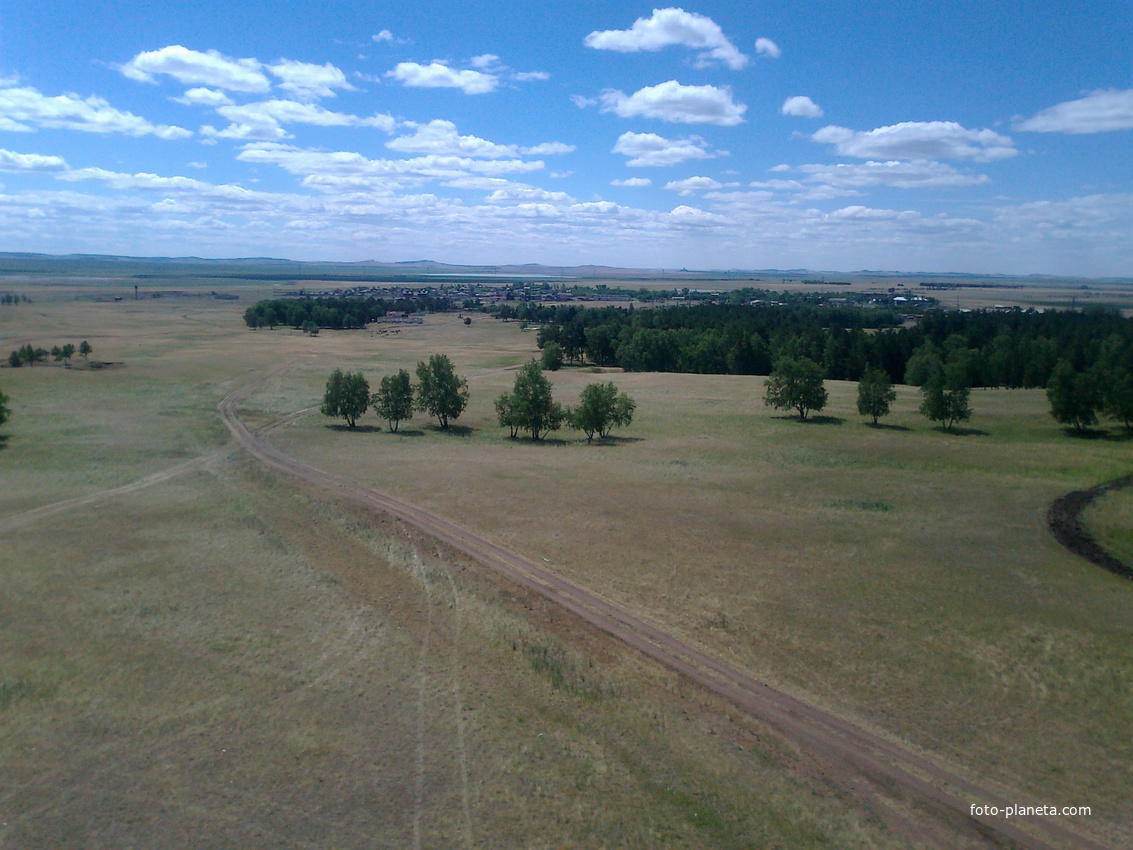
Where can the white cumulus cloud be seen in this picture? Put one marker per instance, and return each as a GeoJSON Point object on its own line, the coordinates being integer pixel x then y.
{"type": "Point", "coordinates": [306, 80]}
{"type": "Point", "coordinates": [652, 150]}
{"type": "Point", "coordinates": [766, 47]}
{"type": "Point", "coordinates": [440, 137]}
{"type": "Point", "coordinates": [17, 162]}
{"type": "Point", "coordinates": [547, 149]}
{"type": "Point", "coordinates": [673, 102]}
{"type": "Point", "coordinates": [205, 97]}
{"type": "Point", "coordinates": [438, 75]}
{"type": "Point", "coordinates": [633, 182]}
{"type": "Point", "coordinates": [192, 67]}
{"type": "Point", "coordinates": [801, 107]}
{"type": "Point", "coordinates": [1098, 112]}
{"type": "Point", "coordinates": [24, 109]}
{"type": "Point", "coordinates": [669, 27]}
{"type": "Point", "coordinates": [693, 184]}
{"type": "Point", "coordinates": [264, 120]}
{"type": "Point", "coordinates": [901, 175]}
{"type": "Point", "coordinates": [918, 140]}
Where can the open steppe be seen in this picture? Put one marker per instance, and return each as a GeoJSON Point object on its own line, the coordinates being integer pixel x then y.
{"type": "Point", "coordinates": [232, 656]}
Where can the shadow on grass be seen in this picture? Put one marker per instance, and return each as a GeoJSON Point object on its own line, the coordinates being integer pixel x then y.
{"type": "Point", "coordinates": [357, 429]}
{"type": "Point", "coordinates": [3, 442]}
{"type": "Point", "coordinates": [961, 432]}
{"type": "Point", "coordinates": [409, 432]}
{"type": "Point", "coordinates": [1123, 435]}
{"type": "Point", "coordinates": [453, 430]}
{"type": "Point", "coordinates": [615, 441]}
{"type": "Point", "coordinates": [881, 426]}
{"type": "Point", "coordinates": [811, 419]}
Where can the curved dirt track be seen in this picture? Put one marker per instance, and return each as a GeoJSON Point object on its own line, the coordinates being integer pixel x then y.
{"type": "Point", "coordinates": [861, 762]}
{"type": "Point", "coordinates": [1065, 524]}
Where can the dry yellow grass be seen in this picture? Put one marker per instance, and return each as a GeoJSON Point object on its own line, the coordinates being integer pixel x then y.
{"type": "Point", "coordinates": [901, 575]}
{"type": "Point", "coordinates": [225, 656]}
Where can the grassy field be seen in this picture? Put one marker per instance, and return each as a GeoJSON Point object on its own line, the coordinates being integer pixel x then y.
{"type": "Point", "coordinates": [1110, 520]}
{"type": "Point", "coordinates": [228, 656]}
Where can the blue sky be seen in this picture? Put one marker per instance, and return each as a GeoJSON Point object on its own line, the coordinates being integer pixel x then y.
{"type": "Point", "coordinates": [992, 137]}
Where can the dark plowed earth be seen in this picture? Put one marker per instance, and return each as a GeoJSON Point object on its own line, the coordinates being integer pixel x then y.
{"type": "Point", "coordinates": [861, 762]}
{"type": "Point", "coordinates": [1065, 525]}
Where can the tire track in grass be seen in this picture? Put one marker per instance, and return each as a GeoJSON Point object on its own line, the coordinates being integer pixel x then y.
{"type": "Point", "coordinates": [868, 765]}
{"type": "Point", "coordinates": [422, 676]}
{"type": "Point", "coordinates": [1065, 523]}
{"type": "Point", "coordinates": [462, 750]}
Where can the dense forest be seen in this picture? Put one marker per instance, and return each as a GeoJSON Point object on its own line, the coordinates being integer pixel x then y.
{"type": "Point", "coordinates": [995, 348]}
{"type": "Point", "coordinates": [338, 313]}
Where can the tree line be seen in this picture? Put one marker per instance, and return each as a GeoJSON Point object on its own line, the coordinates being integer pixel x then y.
{"type": "Point", "coordinates": [996, 348]}
{"type": "Point", "coordinates": [29, 355]}
{"type": "Point", "coordinates": [338, 312]}
{"type": "Point", "coordinates": [441, 393]}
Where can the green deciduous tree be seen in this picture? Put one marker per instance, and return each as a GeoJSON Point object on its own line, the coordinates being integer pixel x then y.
{"type": "Point", "coordinates": [552, 356]}
{"type": "Point", "coordinates": [601, 409]}
{"type": "Point", "coordinates": [531, 407]}
{"type": "Point", "coordinates": [4, 411]}
{"type": "Point", "coordinates": [15, 359]}
{"type": "Point", "coordinates": [347, 396]}
{"type": "Point", "coordinates": [1118, 397]}
{"type": "Point", "coordinates": [796, 384]}
{"type": "Point", "coordinates": [85, 349]}
{"type": "Point", "coordinates": [440, 391]}
{"type": "Point", "coordinates": [1074, 396]}
{"type": "Point", "coordinates": [68, 351]}
{"type": "Point", "coordinates": [945, 396]}
{"type": "Point", "coordinates": [393, 401]}
{"type": "Point", "coordinates": [505, 413]}
{"type": "Point", "coordinates": [875, 394]}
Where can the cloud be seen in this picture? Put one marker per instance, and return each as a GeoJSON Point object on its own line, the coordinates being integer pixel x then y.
{"type": "Point", "coordinates": [263, 120]}
{"type": "Point", "coordinates": [527, 194]}
{"type": "Point", "coordinates": [766, 47]}
{"type": "Point", "coordinates": [338, 171]}
{"type": "Point", "coordinates": [487, 60]}
{"type": "Point", "coordinates": [307, 81]}
{"type": "Point", "coordinates": [384, 35]}
{"type": "Point", "coordinates": [801, 107]}
{"type": "Point", "coordinates": [24, 109]}
{"type": "Point", "coordinates": [901, 175]}
{"type": "Point", "coordinates": [582, 102]}
{"type": "Point", "coordinates": [205, 97]}
{"type": "Point", "coordinates": [527, 76]}
{"type": "Point", "coordinates": [1099, 112]}
{"type": "Point", "coordinates": [633, 182]}
{"type": "Point", "coordinates": [440, 137]}
{"type": "Point", "coordinates": [438, 75]}
{"type": "Point", "coordinates": [668, 27]}
{"type": "Point", "coordinates": [23, 162]}
{"type": "Point", "coordinates": [196, 164]}
{"type": "Point", "coordinates": [693, 184]}
{"type": "Point", "coordinates": [691, 216]}
{"type": "Point", "coordinates": [548, 149]}
{"type": "Point", "coordinates": [670, 101]}
{"type": "Point", "coordinates": [193, 67]}
{"type": "Point", "coordinates": [919, 140]}
{"type": "Point", "coordinates": [651, 150]}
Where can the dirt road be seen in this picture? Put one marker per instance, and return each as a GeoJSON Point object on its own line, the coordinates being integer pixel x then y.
{"type": "Point", "coordinates": [936, 799]}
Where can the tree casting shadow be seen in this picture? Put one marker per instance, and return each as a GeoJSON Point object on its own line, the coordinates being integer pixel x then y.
{"type": "Point", "coordinates": [823, 420]}
{"type": "Point", "coordinates": [881, 426]}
